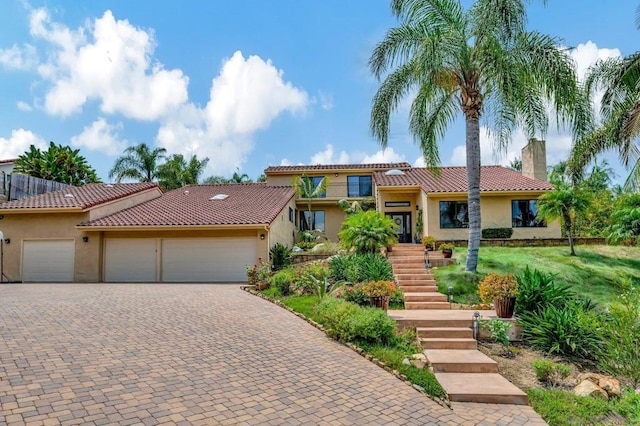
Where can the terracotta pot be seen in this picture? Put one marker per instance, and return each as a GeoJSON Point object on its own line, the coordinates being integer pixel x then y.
{"type": "Point", "coordinates": [262, 285]}
{"type": "Point", "coordinates": [447, 253]}
{"type": "Point", "coordinates": [381, 302]}
{"type": "Point", "coordinates": [505, 306]}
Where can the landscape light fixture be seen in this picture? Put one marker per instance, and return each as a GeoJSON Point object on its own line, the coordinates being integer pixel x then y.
{"type": "Point", "coordinates": [450, 294]}
{"type": "Point", "coordinates": [7, 240]}
{"type": "Point", "coordinates": [476, 324]}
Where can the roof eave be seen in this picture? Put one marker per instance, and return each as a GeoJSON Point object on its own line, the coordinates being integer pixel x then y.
{"type": "Point", "coordinates": [25, 210]}
{"type": "Point", "coordinates": [89, 228]}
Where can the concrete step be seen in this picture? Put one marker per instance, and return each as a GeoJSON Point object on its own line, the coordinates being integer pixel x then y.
{"type": "Point", "coordinates": [427, 305]}
{"type": "Point", "coordinates": [413, 271]}
{"type": "Point", "coordinates": [425, 297]}
{"type": "Point", "coordinates": [404, 260]}
{"type": "Point", "coordinates": [414, 277]}
{"type": "Point", "coordinates": [449, 332]}
{"type": "Point", "coordinates": [460, 361]}
{"type": "Point", "coordinates": [449, 343]}
{"type": "Point", "coordinates": [418, 288]}
{"type": "Point", "coordinates": [489, 388]}
{"type": "Point", "coordinates": [409, 283]}
{"type": "Point", "coordinates": [429, 323]}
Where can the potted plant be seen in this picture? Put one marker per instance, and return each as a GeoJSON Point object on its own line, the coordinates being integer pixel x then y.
{"type": "Point", "coordinates": [379, 293]}
{"type": "Point", "coordinates": [429, 242]}
{"type": "Point", "coordinates": [258, 274]}
{"type": "Point", "coordinates": [502, 291]}
{"type": "Point", "coordinates": [446, 249]}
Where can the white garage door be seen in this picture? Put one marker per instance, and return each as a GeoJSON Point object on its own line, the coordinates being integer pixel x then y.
{"type": "Point", "coordinates": [130, 260]}
{"type": "Point", "coordinates": [48, 260]}
{"type": "Point", "coordinates": [207, 259]}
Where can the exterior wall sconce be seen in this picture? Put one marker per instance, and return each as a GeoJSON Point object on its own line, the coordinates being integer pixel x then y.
{"type": "Point", "coordinates": [417, 207]}
{"type": "Point", "coordinates": [7, 240]}
{"type": "Point", "coordinates": [262, 236]}
{"type": "Point", "coordinates": [1, 216]}
{"type": "Point", "coordinates": [336, 174]}
{"type": "Point", "coordinates": [85, 239]}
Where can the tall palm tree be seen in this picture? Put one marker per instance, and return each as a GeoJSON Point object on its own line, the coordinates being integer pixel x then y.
{"type": "Point", "coordinates": [176, 172]}
{"type": "Point", "coordinates": [240, 178]}
{"type": "Point", "coordinates": [306, 188]}
{"type": "Point", "coordinates": [138, 162]}
{"type": "Point", "coordinates": [480, 61]}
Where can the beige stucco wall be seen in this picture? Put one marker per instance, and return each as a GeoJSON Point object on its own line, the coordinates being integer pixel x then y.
{"type": "Point", "coordinates": [282, 230]}
{"type": "Point", "coordinates": [337, 188]}
{"type": "Point", "coordinates": [123, 203]}
{"type": "Point", "coordinates": [495, 212]}
{"type": "Point", "coordinates": [39, 226]}
{"type": "Point", "coordinates": [411, 195]}
{"type": "Point", "coordinates": [333, 216]}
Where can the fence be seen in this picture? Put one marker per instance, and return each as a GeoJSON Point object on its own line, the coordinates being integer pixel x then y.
{"type": "Point", "coordinates": [21, 186]}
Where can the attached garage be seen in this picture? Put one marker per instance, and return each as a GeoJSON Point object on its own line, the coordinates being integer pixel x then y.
{"type": "Point", "coordinates": [130, 260]}
{"type": "Point", "coordinates": [48, 260]}
{"type": "Point", "coordinates": [207, 259]}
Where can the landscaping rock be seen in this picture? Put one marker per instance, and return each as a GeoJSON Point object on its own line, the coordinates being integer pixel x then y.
{"type": "Point", "coordinates": [406, 362]}
{"type": "Point", "coordinates": [610, 385]}
{"type": "Point", "coordinates": [420, 357]}
{"type": "Point", "coordinates": [588, 388]}
{"type": "Point", "coordinates": [418, 364]}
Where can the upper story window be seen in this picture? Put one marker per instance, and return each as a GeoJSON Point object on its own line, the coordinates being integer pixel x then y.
{"type": "Point", "coordinates": [359, 186]}
{"type": "Point", "coordinates": [316, 181]}
{"type": "Point", "coordinates": [524, 214]}
{"type": "Point", "coordinates": [454, 214]}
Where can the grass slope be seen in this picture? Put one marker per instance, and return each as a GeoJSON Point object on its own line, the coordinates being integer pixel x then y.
{"type": "Point", "coordinates": [594, 272]}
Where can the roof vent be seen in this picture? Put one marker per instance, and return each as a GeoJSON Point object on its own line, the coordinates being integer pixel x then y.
{"type": "Point", "coordinates": [186, 192]}
{"type": "Point", "coordinates": [108, 185]}
{"type": "Point", "coordinates": [394, 172]}
{"type": "Point", "coordinates": [219, 197]}
{"type": "Point", "coordinates": [68, 196]}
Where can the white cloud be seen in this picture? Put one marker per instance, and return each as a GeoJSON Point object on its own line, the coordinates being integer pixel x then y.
{"type": "Point", "coordinates": [18, 143]}
{"type": "Point", "coordinates": [326, 100]}
{"type": "Point", "coordinates": [23, 106]}
{"type": "Point", "coordinates": [245, 97]}
{"type": "Point", "coordinates": [101, 136]}
{"type": "Point", "coordinates": [17, 58]}
{"type": "Point", "coordinates": [108, 60]}
{"type": "Point", "coordinates": [329, 156]}
{"type": "Point", "coordinates": [285, 162]}
{"type": "Point", "coordinates": [586, 54]}
{"type": "Point", "coordinates": [387, 155]}
{"type": "Point", "coordinates": [419, 162]}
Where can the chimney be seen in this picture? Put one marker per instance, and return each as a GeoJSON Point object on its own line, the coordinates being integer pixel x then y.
{"type": "Point", "coordinates": [534, 160]}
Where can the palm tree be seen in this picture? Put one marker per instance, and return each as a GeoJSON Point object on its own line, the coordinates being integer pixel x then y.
{"type": "Point", "coordinates": [176, 172]}
{"type": "Point", "coordinates": [480, 61]}
{"type": "Point", "coordinates": [216, 180]}
{"type": "Point", "coordinates": [138, 162]}
{"type": "Point", "coordinates": [240, 178]}
{"type": "Point", "coordinates": [367, 232]}
{"type": "Point", "coordinates": [306, 188]}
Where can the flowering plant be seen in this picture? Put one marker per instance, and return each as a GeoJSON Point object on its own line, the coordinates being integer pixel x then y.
{"type": "Point", "coordinates": [258, 272]}
{"type": "Point", "coordinates": [379, 288]}
{"type": "Point", "coordinates": [496, 286]}
{"type": "Point", "coordinates": [429, 241]}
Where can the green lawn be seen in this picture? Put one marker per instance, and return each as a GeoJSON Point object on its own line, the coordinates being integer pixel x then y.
{"type": "Point", "coordinates": [594, 272]}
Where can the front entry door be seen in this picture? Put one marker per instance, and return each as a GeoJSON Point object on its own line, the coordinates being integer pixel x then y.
{"type": "Point", "coordinates": [403, 220]}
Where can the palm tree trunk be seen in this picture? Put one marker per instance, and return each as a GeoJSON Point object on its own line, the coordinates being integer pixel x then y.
{"type": "Point", "coordinates": [473, 179]}
{"type": "Point", "coordinates": [569, 226]}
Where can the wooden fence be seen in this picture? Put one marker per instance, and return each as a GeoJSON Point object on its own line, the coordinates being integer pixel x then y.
{"type": "Point", "coordinates": [21, 186]}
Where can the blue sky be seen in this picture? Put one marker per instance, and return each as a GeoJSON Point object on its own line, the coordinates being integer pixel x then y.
{"type": "Point", "coordinates": [246, 83]}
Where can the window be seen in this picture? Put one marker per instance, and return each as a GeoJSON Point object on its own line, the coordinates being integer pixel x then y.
{"type": "Point", "coordinates": [317, 220]}
{"type": "Point", "coordinates": [316, 181]}
{"type": "Point", "coordinates": [524, 214]}
{"type": "Point", "coordinates": [291, 217]}
{"type": "Point", "coordinates": [454, 214]}
{"type": "Point", "coordinates": [359, 186]}
{"type": "Point", "coordinates": [397, 203]}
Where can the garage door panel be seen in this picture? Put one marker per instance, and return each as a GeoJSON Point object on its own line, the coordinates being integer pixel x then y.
{"type": "Point", "coordinates": [48, 260]}
{"type": "Point", "coordinates": [130, 260]}
{"type": "Point", "coordinates": [207, 259]}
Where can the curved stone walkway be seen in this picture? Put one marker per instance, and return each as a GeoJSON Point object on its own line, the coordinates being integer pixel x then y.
{"type": "Point", "coordinates": [193, 354]}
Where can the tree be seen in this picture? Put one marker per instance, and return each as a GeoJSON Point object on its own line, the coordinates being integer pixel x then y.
{"type": "Point", "coordinates": [138, 162]}
{"type": "Point", "coordinates": [480, 61]}
{"type": "Point", "coordinates": [58, 163]}
{"type": "Point", "coordinates": [240, 178]}
{"type": "Point", "coordinates": [625, 220]}
{"type": "Point", "coordinates": [216, 180]}
{"type": "Point", "coordinates": [566, 201]}
{"type": "Point", "coordinates": [308, 189]}
{"type": "Point", "coordinates": [262, 178]}
{"type": "Point", "coordinates": [356, 206]}
{"type": "Point", "coordinates": [516, 164]}
{"type": "Point", "coordinates": [176, 172]}
{"type": "Point", "coordinates": [367, 232]}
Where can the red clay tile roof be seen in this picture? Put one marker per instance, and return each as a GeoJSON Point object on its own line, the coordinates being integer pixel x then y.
{"type": "Point", "coordinates": [374, 166]}
{"type": "Point", "coordinates": [249, 203]}
{"type": "Point", "coordinates": [11, 160]}
{"type": "Point", "coordinates": [454, 179]}
{"type": "Point", "coordinates": [85, 196]}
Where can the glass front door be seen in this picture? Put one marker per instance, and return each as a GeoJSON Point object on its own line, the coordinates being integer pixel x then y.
{"type": "Point", "coordinates": [403, 220]}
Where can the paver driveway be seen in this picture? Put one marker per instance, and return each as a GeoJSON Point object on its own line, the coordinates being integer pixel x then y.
{"type": "Point", "coordinates": [190, 354]}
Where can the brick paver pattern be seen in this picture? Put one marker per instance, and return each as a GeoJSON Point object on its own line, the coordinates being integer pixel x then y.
{"type": "Point", "coordinates": [193, 354]}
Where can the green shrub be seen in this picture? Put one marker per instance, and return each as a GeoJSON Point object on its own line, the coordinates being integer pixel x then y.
{"type": "Point", "coordinates": [272, 292]}
{"type": "Point", "coordinates": [498, 330]}
{"type": "Point", "coordinates": [354, 294]}
{"type": "Point", "coordinates": [368, 232]}
{"type": "Point", "coordinates": [355, 267]}
{"type": "Point", "coordinates": [559, 407]}
{"type": "Point", "coordinates": [334, 315]}
{"type": "Point", "coordinates": [621, 335]}
{"type": "Point", "coordinates": [306, 245]}
{"type": "Point", "coordinates": [397, 299]}
{"type": "Point", "coordinates": [283, 280]}
{"type": "Point", "coordinates": [568, 331]}
{"type": "Point", "coordinates": [425, 379]}
{"type": "Point", "coordinates": [497, 232]}
{"type": "Point", "coordinates": [550, 372]}
{"type": "Point", "coordinates": [372, 325]}
{"type": "Point", "coordinates": [628, 405]}
{"type": "Point", "coordinates": [537, 290]}
{"type": "Point", "coordinates": [327, 247]}
{"type": "Point", "coordinates": [280, 256]}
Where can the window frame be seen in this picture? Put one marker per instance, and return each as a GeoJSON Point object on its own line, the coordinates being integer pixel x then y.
{"type": "Point", "coordinates": [531, 221]}
{"type": "Point", "coordinates": [303, 220]}
{"type": "Point", "coordinates": [463, 224]}
{"type": "Point", "coordinates": [360, 185]}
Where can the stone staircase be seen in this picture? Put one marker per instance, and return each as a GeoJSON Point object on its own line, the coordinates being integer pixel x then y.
{"type": "Point", "coordinates": [466, 374]}
{"type": "Point", "coordinates": [419, 287]}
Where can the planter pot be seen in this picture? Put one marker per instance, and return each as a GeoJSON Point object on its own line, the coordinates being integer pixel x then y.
{"type": "Point", "coordinates": [447, 254]}
{"type": "Point", "coordinates": [262, 285]}
{"type": "Point", "coordinates": [381, 302]}
{"type": "Point", "coordinates": [505, 307]}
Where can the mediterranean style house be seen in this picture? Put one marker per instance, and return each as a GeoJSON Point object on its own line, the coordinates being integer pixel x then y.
{"type": "Point", "coordinates": [132, 232]}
